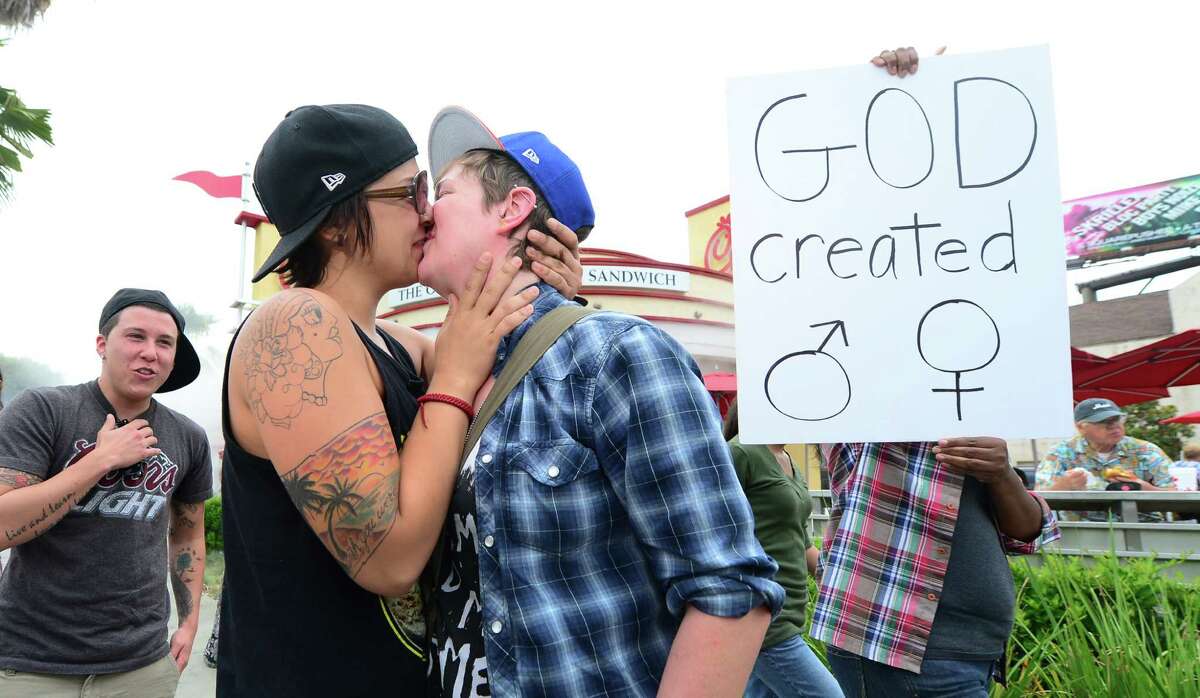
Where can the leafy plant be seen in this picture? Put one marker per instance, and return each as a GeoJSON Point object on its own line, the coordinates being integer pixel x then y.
{"type": "Point", "coordinates": [1115, 628]}
{"type": "Point", "coordinates": [20, 126]}
{"type": "Point", "coordinates": [1142, 423]}
{"type": "Point", "coordinates": [214, 538]}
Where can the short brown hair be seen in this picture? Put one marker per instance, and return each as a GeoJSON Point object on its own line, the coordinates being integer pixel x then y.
{"type": "Point", "coordinates": [498, 174]}
{"type": "Point", "coordinates": [1191, 451]}
{"type": "Point", "coordinates": [306, 266]}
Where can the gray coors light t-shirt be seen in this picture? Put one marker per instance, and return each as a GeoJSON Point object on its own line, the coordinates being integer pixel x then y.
{"type": "Point", "coordinates": [89, 596]}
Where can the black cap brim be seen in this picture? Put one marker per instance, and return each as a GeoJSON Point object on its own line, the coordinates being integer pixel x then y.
{"type": "Point", "coordinates": [187, 366]}
{"type": "Point", "coordinates": [290, 243]}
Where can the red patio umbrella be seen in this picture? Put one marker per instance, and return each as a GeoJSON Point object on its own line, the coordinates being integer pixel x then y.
{"type": "Point", "coordinates": [1083, 360]}
{"type": "Point", "coordinates": [1188, 418]}
{"type": "Point", "coordinates": [1082, 363]}
{"type": "Point", "coordinates": [1122, 396]}
{"type": "Point", "coordinates": [723, 388]}
{"type": "Point", "coordinates": [1169, 362]}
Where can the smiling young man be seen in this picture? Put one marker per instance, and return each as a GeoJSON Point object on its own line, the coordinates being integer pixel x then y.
{"type": "Point", "coordinates": [99, 484]}
{"type": "Point", "coordinates": [598, 541]}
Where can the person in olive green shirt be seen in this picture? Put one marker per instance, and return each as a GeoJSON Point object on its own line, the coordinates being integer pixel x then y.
{"type": "Point", "coordinates": [778, 495]}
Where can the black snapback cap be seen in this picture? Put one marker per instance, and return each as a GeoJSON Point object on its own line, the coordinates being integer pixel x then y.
{"type": "Point", "coordinates": [319, 156]}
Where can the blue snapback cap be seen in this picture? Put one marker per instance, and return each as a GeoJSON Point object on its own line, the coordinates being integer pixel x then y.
{"type": "Point", "coordinates": [455, 131]}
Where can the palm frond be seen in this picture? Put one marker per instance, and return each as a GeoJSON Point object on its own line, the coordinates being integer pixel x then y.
{"type": "Point", "coordinates": [20, 125]}
{"type": "Point", "coordinates": [21, 13]}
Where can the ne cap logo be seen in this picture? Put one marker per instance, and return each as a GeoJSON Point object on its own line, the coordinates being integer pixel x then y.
{"type": "Point", "coordinates": [532, 155]}
{"type": "Point", "coordinates": [331, 181]}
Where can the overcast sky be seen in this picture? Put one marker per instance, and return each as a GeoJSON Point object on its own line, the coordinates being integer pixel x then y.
{"type": "Point", "coordinates": [634, 91]}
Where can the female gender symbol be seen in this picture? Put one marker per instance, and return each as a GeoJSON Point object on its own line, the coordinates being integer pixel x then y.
{"type": "Point", "coordinates": [951, 334]}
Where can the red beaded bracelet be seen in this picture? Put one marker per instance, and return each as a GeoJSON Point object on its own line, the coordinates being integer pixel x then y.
{"type": "Point", "coordinates": [444, 398]}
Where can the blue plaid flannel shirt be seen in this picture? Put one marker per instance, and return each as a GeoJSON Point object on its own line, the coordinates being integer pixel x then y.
{"type": "Point", "coordinates": [607, 502]}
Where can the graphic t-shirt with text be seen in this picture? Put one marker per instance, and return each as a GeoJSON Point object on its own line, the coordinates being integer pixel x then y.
{"type": "Point", "coordinates": [89, 596]}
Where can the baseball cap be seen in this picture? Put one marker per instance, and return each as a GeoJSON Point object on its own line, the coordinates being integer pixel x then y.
{"type": "Point", "coordinates": [317, 157]}
{"type": "Point", "coordinates": [455, 131]}
{"type": "Point", "coordinates": [1096, 409]}
{"type": "Point", "coordinates": [187, 363]}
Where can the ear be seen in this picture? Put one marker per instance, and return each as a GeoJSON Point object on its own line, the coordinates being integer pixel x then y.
{"type": "Point", "coordinates": [517, 207]}
{"type": "Point", "coordinates": [101, 345]}
{"type": "Point", "coordinates": [332, 235]}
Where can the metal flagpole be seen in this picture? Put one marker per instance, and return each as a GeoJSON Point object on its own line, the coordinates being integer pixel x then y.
{"type": "Point", "coordinates": [245, 289]}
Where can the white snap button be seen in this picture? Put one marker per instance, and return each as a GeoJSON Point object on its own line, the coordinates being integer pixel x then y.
{"type": "Point", "coordinates": [553, 471]}
{"type": "Point", "coordinates": [497, 626]}
{"type": "Point", "coordinates": [487, 458]}
{"type": "Point", "coordinates": [489, 542]}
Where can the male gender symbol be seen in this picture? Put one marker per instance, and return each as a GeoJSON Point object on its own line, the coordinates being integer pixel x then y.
{"type": "Point", "coordinates": [811, 385]}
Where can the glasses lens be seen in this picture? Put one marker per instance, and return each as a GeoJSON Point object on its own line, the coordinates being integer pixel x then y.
{"type": "Point", "coordinates": [421, 192]}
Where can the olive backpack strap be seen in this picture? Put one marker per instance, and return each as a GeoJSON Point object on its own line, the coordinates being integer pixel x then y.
{"type": "Point", "coordinates": [537, 340]}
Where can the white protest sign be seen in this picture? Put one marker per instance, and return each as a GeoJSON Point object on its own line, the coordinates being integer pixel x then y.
{"type": "Point", "coordinates": [1184, 477]}
{"type": "Point", "coordinates": [899, 272]}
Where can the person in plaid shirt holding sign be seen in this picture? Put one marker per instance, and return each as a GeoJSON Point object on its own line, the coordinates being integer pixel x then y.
{"type": "Point", "coordinates": [916, 596]}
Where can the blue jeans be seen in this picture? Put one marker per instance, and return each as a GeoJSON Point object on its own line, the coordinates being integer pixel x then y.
{"type": "Point", "coordinates": [790, 669]}
{"type": "Point", "coordinates": [939, 678]}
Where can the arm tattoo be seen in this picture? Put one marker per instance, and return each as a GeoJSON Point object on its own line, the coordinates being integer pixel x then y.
{"type": "Point", "coordinates": [184, 517]}
{"type": "Point", "coordinates": [285, 358]}
{"type": "Point", "coordinates": [346, 500]}
{"type": "Point", "coordinates": [183, 573]}
{"type": "Point", "coordinates": [39, 525]}
{"type": "Point", "coordinates": [16, 479]}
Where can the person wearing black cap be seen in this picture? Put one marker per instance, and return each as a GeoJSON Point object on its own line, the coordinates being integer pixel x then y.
{"type": "Point", "coordinates": [333, 490]}
{"type": "Point", "coordinates": [99, 485]}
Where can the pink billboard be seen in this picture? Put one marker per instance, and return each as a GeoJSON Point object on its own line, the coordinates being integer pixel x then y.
{"type": "Point", "coordinates": [1133, 221]}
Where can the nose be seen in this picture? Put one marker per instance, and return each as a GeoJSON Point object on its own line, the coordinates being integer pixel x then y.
{"type": "Point", "coordinates": [149, 352]}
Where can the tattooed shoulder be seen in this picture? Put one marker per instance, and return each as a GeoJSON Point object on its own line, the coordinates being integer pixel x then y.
{"type": "Point", "coordinates": [16, 479]}
{"type": "Point", "coordinates": [287, 352]}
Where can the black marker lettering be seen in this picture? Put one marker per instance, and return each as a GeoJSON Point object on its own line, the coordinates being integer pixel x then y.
{"type": "Point", "coordinates": [852, 246]}
{"type": "Point", "coordinates": [799, 244]}
{"type": "Point", "coordinates": [867, 142]}
{"type": "Point", "coordinates": [938, 253]}
{"type": "Point", "coordinates": [1012, 246]}
{"type": "Point", "coordinates": [802, 151]}
{"type": "Point", "coordinates": [753, 258]}
{"type": "Point", "coordinates": [891, 257]}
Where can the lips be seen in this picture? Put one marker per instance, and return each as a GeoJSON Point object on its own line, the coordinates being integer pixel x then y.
{"type": "Point", "coordinates": [145, 373]}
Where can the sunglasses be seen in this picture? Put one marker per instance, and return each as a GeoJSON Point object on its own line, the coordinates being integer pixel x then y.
{"type": "Point", "coordinates": [418, 191]}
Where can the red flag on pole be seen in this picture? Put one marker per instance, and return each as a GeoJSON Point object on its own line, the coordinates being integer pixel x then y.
{"type": "Point", "coordinates": [214, 185]}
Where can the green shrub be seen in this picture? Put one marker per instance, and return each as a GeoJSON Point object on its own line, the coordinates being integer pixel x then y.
{"type": "Point", "coordinates": [213, 537]}
{"type": "Point", "coordinates": [1117, 628]}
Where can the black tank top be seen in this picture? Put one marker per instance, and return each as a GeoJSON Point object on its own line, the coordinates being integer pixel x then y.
{"type": "Point", "coordinates": [293, 623]}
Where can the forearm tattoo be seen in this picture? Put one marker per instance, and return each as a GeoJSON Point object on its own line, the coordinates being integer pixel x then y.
{"type": "Point", "coordinates": [286, 357]}
{"type": "Point", "coordinates": [340, 490]}
{"type": "Point", "coordinates": [183, 573]}
{"type": "Point", "coordinates": [50, 515]}
{"type": "Point", "coordinates": [186, 517]}
{"type": "Point", "coordinates": [17, 479]}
